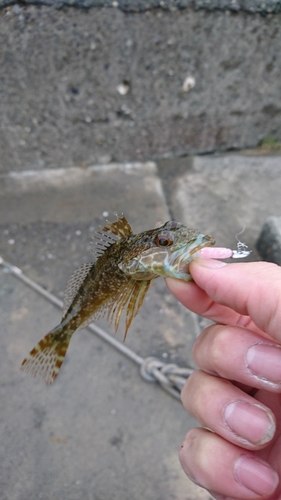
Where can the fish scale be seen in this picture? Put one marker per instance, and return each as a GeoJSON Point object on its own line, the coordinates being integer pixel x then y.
{"type": "Point", "coordinates": [125, 266]}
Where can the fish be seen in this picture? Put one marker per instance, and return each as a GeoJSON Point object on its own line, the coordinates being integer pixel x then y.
{"type": "Point", "coordinates": [124, 267]}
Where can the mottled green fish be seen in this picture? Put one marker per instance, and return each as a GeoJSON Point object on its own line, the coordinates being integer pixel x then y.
{"type": "Point", "coordinates": [125, 266]}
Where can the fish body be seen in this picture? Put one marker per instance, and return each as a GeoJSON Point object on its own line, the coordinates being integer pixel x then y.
{"type": "Point", "coordinates": [125, 266]}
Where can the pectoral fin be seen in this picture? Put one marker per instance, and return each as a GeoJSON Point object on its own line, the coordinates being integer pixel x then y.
{"type": "Point", "coordinates": [129, 297]}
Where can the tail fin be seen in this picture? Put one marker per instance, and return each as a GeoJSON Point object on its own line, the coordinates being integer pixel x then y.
{"type": "Point", "coordinates": [47, 356]}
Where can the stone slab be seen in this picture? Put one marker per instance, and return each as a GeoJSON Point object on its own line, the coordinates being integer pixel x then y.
{"type": "Point", "coordinates": [223, 194]}
{"type": "Point", "coordinates": [99, 432]}
{"type": "Point", "coordinates": [83, 194]}
{"type": "Point", "coordinates": [88, 86]}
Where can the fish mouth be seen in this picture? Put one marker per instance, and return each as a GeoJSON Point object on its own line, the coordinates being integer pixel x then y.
{"type": "Point", "coordinates": [189, 252]}
{"type": "Point", "coordinates": [202, 241]}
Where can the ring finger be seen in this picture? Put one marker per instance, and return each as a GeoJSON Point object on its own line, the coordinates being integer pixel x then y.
{"type": "Point", "coordinates": [228, 411]}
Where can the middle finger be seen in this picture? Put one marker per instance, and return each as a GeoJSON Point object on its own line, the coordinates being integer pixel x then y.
{"type": "Point", "coordinates": [240, 355]}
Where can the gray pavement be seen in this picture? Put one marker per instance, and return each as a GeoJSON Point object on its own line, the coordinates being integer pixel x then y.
{"type": "Point", "coordinates": [101, 431]}
{"type": "Point", "coordinates": [98, 433]}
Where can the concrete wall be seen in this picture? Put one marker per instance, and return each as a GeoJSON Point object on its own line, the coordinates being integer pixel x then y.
{"type": "Point", "coordinates": [80, 86]}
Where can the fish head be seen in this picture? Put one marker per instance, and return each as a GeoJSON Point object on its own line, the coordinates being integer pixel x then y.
{"type": "Point", "coordinates": [170, 250]}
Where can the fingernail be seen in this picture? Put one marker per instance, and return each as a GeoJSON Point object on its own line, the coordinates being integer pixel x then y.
{"type": "Point", "coordinates": [251, 423]}
{"type": "Point", "coordinates": [210, 263]}
{"type": "Point", "coordinates": [264, 362]}
{"type": "Point", "coordinates": [255, 475]}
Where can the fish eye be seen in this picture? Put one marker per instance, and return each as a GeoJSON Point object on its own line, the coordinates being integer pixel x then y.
{"type": "Point", "coordinates": [163, 241]}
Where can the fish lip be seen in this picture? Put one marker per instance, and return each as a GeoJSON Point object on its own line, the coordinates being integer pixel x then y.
{"type": "Point", "coordinates": [209, 241]}
{"type": "Point", "coordinates": [200, 242]}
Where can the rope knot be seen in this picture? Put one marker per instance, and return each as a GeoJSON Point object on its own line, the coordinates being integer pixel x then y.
{"type": "Point", "coordinates": [170, 376]}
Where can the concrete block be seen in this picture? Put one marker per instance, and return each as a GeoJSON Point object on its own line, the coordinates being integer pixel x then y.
{"type": "Point", "coordinates": [91, 86]}
{"type": "Point", "coordinates": [221, 195]}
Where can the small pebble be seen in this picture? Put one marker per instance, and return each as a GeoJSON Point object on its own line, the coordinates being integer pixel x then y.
{"type": "Point", "coordinates": [123, 88]}
{"type": "Point", "coordinates": [188, 83]}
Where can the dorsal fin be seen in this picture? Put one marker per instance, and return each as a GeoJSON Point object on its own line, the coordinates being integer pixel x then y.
{"type": "Point", "coordinates": [120, 228]}
{"type": "Point", "coordinates": [74, 283]}
{"type": "Point", "coordinates": [109, 234]}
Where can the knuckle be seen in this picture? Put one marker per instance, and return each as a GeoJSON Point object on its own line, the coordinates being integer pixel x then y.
{"type": "Point", "coordinates": [195, 393]}
{"type": "Point", "coordinates": [195, 453]}
{"type": "Point", "coordinates": [219, 345]}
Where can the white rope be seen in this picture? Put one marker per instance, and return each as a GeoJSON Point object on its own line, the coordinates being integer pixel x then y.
{"type": "Point", "coordinates": [170, 376]}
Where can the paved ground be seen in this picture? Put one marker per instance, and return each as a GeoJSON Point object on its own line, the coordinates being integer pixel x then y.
{"type": "Point", "coordinates": [101, 432]}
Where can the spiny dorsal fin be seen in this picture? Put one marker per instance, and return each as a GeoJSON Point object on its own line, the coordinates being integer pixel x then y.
{"type": "Point", "coordinates": [74, 283]}
{"type": "Point", "coordinates": [120, 228]}
{"type": "Point", "coordinates": [109, 234]}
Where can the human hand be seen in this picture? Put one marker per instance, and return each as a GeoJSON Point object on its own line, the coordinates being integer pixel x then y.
{"type": "Point", "coordinates": [236, 393]}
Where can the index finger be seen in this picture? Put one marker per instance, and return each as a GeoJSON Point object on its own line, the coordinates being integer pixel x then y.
{"type": "Point", "coordinates": [246, 294]}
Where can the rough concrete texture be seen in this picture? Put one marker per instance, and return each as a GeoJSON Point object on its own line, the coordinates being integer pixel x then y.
{"type": "Point", "coordinates": [269, 241]}
{"type": "Point", "coordinates": [253, 6]}
{"type": "Point", "coordinates": [89, 86]}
